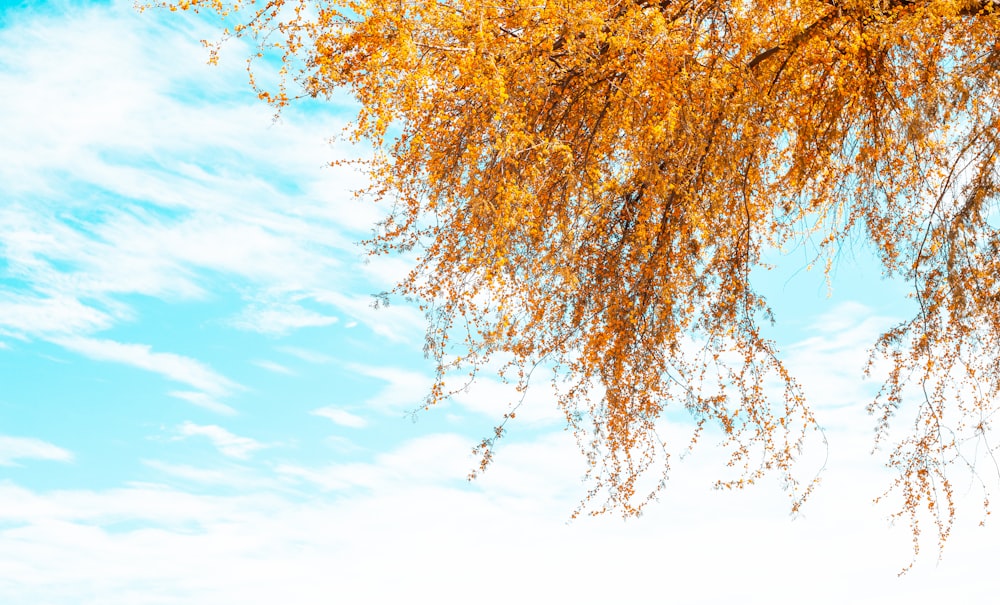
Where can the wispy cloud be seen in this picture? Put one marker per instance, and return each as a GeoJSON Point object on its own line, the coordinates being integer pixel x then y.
{"type": "Point", "coordinates": [22, 315]}
{"type": "Point", "coordinates": [227, 443]}
{"type": "Point", "coordinates": [831, 361]}
{"type": "Point", "coordinates": [405, 389]}
{"type": "Point", "coordinates": [13, 449]}
{"type": "Point", "coordinates": [233, 475]}
{"type": "Point", "coordinates": [438, 458]}
{"type": "Point", "coordinates": [341, 417]}
{"type": "Point", "coordinates": [204, 401]}
{"type": "Point", "coordinates": [397, 323]}
{"type": "Point", "coordinates": [169, 365]}
{"type": "Point", "coordinates": [279, 320]}
{"type": "Point", "coordinates": [307, 355]}
{"type": "Point", "coordinates": [492, 398]}
{"type": "Point", "coordinates": [271, 366]}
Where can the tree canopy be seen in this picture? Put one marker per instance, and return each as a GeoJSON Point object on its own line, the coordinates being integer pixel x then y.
{"type": "Point", "coordinates": [587, 186]}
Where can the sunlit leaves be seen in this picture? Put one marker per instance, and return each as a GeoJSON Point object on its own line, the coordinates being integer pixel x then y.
{"type": "Point", "coordinates": [588, 186]}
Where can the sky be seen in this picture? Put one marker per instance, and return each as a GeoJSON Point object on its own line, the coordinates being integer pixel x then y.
{"type": "Point", "coordinates": [199, 404]}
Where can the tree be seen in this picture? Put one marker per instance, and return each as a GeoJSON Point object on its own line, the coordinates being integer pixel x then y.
{"type": "Point", "coordinates": [588, 186]}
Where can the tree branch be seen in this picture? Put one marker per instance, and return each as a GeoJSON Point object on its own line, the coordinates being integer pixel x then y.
{"type": "Point", "coordinates": [972, 9]}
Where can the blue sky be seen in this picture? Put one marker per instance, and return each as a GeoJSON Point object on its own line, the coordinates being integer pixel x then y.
{"type": "Point", "coordinates": [198, 403]}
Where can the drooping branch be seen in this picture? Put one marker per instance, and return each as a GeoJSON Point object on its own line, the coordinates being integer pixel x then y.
{"type": "Point", "coordinates": [971, 9]}
{"type": "Point", "coordinates": [791, 44]}
{"type": "Point", "coordinates": [606, 177]}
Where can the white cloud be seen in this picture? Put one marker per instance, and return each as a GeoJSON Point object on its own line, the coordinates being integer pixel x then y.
{"type": "Point", "coordinates": [388, 271]}
{"type": "Point", "coordinates": [227, 443]}
{"type": "Point", "coordinates": [341, 417]}
{"type": "Point", "coordinates": [307, 355]}
{"type": "Point", "coordinates": [230, 475]}
{"type": "Point", "coordinates": [56, 315]}
{"type": "Point", "coordinates": [55, 255]}
{"type": "Point", "coordinates": [279, 320]}
{"type": "Point", "coordinates": [271, 366]}
{"type": "Point", "coordinates": [204, 401]}
{"type": "Point", "coordinates": [493, 399]}
{"type": "Point", "coordinates": [830, 364]}
{"type": "Point", "coordinates": [13, 449]}
{"type": "Point", "coordinates": [175, 367]}
{"type": "Point", "coordinates": [437, 458]}
{"type": "Point", "coordinates": [405, 391]}
{"type": "Point", "coordinates": [260, 548]}
{"type": "Point", "coordinates": [145, 502]}
{"type": "Point", "coordinates": [399, 323]}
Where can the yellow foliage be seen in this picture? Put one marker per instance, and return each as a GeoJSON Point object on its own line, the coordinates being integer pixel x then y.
{"type": "Point", "coordinates": [592, 182]}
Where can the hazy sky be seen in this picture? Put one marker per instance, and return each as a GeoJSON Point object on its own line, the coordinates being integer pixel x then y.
{"type": "Point", "coordinates": [199, 405]}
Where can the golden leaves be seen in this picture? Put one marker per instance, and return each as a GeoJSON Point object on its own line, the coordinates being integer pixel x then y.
{"type": "Point", "coordinates": [591, 184]}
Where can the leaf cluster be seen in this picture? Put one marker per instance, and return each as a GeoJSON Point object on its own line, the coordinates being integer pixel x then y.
{"type": "Point", "coordinates": [589, 184]}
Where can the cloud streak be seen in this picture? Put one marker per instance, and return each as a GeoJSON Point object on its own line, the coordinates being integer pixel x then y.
{"type": "Point", "coordinates": [271, 366]}
{"type": "Point", "coordinates": [204, 401]}
{"type": "Point", "coordinates": [21, 315]}
{"type": "Point", "coordinates": [169, 365]}
{"type": "Point", "coordinates": [13, 449]}
{"type": "Point", "coordinates": [281, 319]}
{"type": "Point", "coordinates": [341, 417]}
{"type": "Point", "coordinates": [233, 446]}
